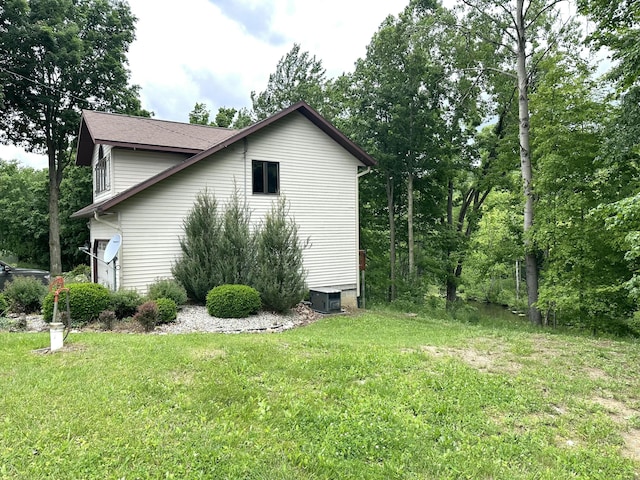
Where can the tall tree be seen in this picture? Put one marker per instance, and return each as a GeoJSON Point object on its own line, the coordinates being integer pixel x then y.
{"type": "Point", "coordinates": [298, 76]}
{"type": "Point", "coordinates": [225, 118]}
{"type": "Point", "coordinates": [617, 29]}
{"type": "Point", "coordinates": [522, 30]}
{"type": "Point", "coordinates": [58, 57]}
{"type": "Point", "coordinates": [415, 106]}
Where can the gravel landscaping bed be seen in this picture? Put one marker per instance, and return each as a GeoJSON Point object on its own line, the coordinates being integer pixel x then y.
{"type": "Point", "coordinates": [192, 318]}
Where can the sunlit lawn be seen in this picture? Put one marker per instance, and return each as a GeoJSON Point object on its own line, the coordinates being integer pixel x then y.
{"type": "Point", "coordinates": [376, 395]}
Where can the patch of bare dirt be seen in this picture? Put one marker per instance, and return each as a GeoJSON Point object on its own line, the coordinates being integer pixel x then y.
{"type": "Point", "coordinates": [489, 361]}
{"type": "Point", "coordinates": [620, 413]}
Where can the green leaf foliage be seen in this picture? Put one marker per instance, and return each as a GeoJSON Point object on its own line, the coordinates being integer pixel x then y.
{"type": "Point", "coordinates": [124, 303]}
{"type": "Point", "coordinates": [233, 301]}
{"type": "Point", "coordinates": [86, 302]}
{"type": "Point", "coordinates": [25, 294]}
{"type": "Point", "coordinates": [59, 57]}
{"type": "Point", "coordinates": [167, 310]}
{"type": "Point", "coordinates": [168, 288]}
{"type": "Point", "coordinates": [298, 77]}
{"type": "Point", "coordinates": [4, 305]}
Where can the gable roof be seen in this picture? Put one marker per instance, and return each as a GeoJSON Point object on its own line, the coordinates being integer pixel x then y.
{"type": "Point", "coordinates": [144, 133]}
{"type": "Point", "coordinates": [237, 135]}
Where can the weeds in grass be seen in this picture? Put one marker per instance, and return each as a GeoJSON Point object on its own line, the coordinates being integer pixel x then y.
{"type": "Point", "coordinates": [373, 396]}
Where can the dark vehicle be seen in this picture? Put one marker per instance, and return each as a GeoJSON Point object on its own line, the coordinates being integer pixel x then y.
{"type": "Point", "coordinates": [8, 273]}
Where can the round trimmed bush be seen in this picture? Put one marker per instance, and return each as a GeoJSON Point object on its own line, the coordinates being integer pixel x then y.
{"type": "Point", "coordinates": [167, 310]}
{"type": "Point", "coordinates": [168, 288]}
{"type": "Point", "coordinates": [86, 301]}
{"type": "Point", "coordinates": [233, 301]}
{"type": "Point", "coordinates": [125, 302]}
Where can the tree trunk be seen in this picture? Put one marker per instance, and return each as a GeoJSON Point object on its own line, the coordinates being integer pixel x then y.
{"type": "Point", "coordinates": [412, 264]}
{"type": "Point", "coordinates": [451, 284]}
{"type": "Point", "coordinates": [392, 239]}
{"type": "Point", "coordinates": [55, 254]}
{"type": "Point", "coordinates": [527, 172]}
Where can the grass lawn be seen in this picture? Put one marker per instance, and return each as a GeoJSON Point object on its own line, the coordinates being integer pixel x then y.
{"type": "Point", "coordinates": [371, 396]}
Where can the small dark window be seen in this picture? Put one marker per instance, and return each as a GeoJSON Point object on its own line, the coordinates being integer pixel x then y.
{"type": "Point", "coordinates": [266, 177]}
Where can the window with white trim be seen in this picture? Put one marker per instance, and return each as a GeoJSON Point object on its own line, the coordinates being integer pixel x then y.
{"type": "Point", "coordinates": [103, 171]}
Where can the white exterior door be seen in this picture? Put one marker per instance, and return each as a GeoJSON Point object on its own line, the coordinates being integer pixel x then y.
{"type": "Point", "coordinates": [105, 272]}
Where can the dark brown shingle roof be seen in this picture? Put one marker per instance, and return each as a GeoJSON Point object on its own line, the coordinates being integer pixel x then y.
{"type": "Point", "coordinates": [236, 135]}
{"type": "Point", "coordinates": [145, 134]}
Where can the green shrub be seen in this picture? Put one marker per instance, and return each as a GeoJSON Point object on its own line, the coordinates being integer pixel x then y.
{"type": "Point", "coordinates": [86, 301]}
{"type": "Point", "coordinates": [4, 305]}
{"type": "Point", "coordinates": [167, 310]}
{"type": "Point", "coordinates": [125, 302]}
{"type": "Point", "coordinates": [168, 288]}
{"type": "Point", "coordinates": [107, 318]}
{"type": "Point", "coordinates": [233, 301]}
{"type": "Point", "coordinates": [280, 277]}
{"type": "Point", "coordinates": [147, 315]}
{"type": "Point", "coordinates": [25, 294]}
{"type": "Point", "coordinates": [197, 269]}
{"type": "Point", "coordinates": [80, 274]}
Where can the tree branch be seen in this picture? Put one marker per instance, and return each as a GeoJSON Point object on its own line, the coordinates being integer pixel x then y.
{"type": "Point", "coordinates": [493, 20]}
{"type": "Point", "coordinates": [541, 12]}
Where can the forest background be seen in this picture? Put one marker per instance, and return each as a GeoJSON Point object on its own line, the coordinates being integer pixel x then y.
{"type": "Point", "coordinates": [507, 162]}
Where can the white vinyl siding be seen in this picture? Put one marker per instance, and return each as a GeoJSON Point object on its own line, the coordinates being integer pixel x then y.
{"type": "Point", "coordinates": [153, 219]}
{"type": "Point", "coordinates": [134, 166]}
{"type": "Point", "coordinates": [317, 177]}
{"type": "Point", "coordinates": [319, 180]}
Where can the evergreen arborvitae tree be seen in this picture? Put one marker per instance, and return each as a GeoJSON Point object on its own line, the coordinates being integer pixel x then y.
{"type": "Point", "coordinates": [236, 255]}
{"type": "Point", "coordinates": [280, 277]}
{"type": "Point", "coordinates": [197, 270]}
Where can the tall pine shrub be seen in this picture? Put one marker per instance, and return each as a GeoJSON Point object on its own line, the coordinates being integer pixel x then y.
{"type": "Point", "coordinates": [280, 277]}
{"type": "Point", "coordinates": [197, 270]}
{"type": "Point", "coordinates": [236, 257]}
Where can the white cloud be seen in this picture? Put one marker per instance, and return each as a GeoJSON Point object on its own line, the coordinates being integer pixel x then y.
{"type": "Point", "coordinates": [34, 160]}
{"type": "Point", "coordinates": [178, 42]}
{"type": "Point", "coordinates": [190, 51]}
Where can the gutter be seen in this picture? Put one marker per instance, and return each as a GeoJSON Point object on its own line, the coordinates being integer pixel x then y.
{"type": "Point", "coordinates": [104, 222]}
{"type": "Point", "coordinates": [362, 174]}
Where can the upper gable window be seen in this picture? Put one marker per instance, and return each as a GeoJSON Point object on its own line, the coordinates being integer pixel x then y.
{"type": "Point", "coordinates": [266, 177]}
{"type": "Point", "coordinates": [103, 171]}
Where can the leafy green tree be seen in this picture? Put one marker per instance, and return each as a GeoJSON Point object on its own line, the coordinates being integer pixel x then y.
{"type": "Point", "coordinates": [200, 114]}
{"type": "Point", "coordinates": [225, 118]}
{"type": "Point", "coordinates": [414, 108]}
{"type": "Point", "coordinates": [617, 29]}
{"type": "Point", "coordinates": [584, 270]}
{"type": "Point", "coordinates": [298, 76]}
{"type": "Point", "coordinates": [23, 212]}
{"type": "Point", "coordinates": [58, 57]}
{"type": "Point", "coordinates": [521, 32]}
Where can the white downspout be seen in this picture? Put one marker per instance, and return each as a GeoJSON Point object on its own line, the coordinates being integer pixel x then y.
{"type": "Point", "coordinates": [359, 279]}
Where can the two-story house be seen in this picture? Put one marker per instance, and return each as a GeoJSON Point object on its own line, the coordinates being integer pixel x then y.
{"type": "Point", "coordinates": [147, 173]}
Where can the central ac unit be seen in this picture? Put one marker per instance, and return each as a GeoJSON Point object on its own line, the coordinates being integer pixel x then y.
{"type": "Point", "coordinates": [325, 300]}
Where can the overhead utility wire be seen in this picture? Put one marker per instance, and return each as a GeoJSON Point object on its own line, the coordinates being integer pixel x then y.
{"type": "Point", "coordinates": [50, 87]}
